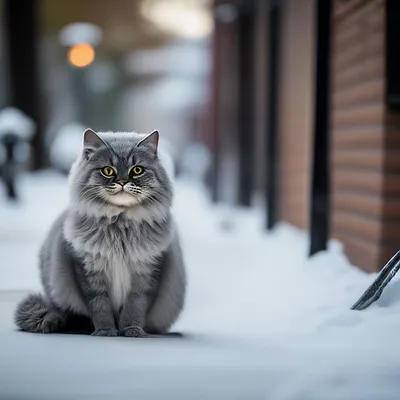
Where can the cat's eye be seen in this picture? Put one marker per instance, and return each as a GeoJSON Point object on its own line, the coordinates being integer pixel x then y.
{"type": "Point", "coordinates": [137, 170]}
{"type": "Point", "coordinates": [108, 172]}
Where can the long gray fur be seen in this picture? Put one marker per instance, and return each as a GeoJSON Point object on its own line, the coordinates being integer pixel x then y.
{"type": "Point", "coordinates": [113, 256]}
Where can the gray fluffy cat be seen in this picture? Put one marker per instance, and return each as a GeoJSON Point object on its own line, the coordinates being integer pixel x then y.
{"type": "Point", "coordinates": [113, 258]}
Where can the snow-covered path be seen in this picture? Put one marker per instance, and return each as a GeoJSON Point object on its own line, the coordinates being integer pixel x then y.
{"type": "Point", "coordinates": [261, 322]}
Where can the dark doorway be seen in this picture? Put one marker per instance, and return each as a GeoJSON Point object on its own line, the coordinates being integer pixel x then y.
{"type": "Point", "coordinates": [22, 36]}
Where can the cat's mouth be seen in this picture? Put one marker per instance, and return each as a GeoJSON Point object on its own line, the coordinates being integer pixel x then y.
{"type": "Point", "coordinates": [122, 199]}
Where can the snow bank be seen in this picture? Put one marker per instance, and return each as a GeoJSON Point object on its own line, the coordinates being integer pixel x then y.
{"type": "Point", "coordinates": [262, 321]}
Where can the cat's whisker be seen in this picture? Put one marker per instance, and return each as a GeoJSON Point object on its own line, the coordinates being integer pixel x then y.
{"type": "Point", "coordinates": [89, 196]}
{"type": "Point", "coordinates": [86, 184]}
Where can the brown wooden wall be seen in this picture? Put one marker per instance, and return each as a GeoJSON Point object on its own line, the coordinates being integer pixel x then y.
{"type": "Point", "coordinates": [365, 138]}
{"type": "Point", "coordinates": [296, 110]}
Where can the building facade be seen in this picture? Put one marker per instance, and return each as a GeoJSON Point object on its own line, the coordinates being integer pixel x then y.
{"type": "Point", "coordinates": [305, 114]}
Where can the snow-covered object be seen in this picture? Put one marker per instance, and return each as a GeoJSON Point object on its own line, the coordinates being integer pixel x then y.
{"type": "Point", "coordinates": [66, 146]}
{"type": "Point", "coordinates": [80, 32]}
{"type": "Point", "coordinates": [13, 120]}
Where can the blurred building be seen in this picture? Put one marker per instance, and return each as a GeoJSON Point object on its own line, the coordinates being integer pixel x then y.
{"type": "Point", "coordinates": [304, 108]}
{"type": "Point", "coordinates": [305, 115]}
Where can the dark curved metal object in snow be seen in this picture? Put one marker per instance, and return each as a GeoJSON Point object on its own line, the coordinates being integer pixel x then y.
{"type": "Point", "coordinates": [375, 290]}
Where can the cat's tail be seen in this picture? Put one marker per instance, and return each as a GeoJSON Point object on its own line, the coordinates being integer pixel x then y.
{"type": "Point", "coordinates": [33, 314]}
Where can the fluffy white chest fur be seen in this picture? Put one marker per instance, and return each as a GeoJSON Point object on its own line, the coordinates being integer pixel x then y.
{"type": "Point", "coordinates": [120, 257]}
{"type": "Point", "coordinates": [120, 274]}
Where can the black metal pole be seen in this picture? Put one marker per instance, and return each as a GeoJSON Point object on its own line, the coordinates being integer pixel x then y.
{"type": "Point", "coordinates": [22, 38]}
{"type": "Point", "coordinates": [392, 55]}
{"type": "Point", "coordinates": [246, 24]}
{"type": "Point", "coordinates": [272, 121]}
{"type": "Point", "coordinates": [319, 213]}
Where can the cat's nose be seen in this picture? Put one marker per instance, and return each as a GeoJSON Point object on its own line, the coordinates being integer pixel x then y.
{"type": "Point", "coordinates": [122, 182]}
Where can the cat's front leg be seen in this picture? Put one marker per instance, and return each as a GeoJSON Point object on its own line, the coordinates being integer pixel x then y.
{"type": "Point", "coordinates": [102, 317]}
{"type": "Point", "coordinates": [95, 289]}
{"type": "Point", "coordinates": [133, 315]}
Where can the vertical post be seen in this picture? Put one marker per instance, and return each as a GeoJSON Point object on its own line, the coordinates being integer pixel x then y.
{"type": "Point", "coordinates": [246, 24]}
{"type": "Point", "coordinates": [22, 38]}
{"type": "Point", "coordinates": [215, 110]}
{"type": "Point", "coordinates": [273, 107]}
{"type": "Point", "coordinates": [392, 55]}
{"type": "Point", "coordinates": [319, 226]}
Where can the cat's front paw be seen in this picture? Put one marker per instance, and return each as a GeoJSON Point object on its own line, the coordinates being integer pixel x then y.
{"type": "Point", "coordinates": [134, 331]}
{"type": "Point", "coordinates": [105, 332]}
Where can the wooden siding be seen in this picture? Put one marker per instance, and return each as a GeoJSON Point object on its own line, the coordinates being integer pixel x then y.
{"type": "Point", "coordinates": [365, 139]}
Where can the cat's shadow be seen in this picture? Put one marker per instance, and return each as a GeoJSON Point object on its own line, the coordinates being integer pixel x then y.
{"type": "Point", "coordinates": [170, 335]}
{"type": "Point", "coordinates": [79, 325]}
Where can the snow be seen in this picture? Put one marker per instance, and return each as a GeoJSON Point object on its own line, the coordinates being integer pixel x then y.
{"type": "Point", "coordinates": [13, 120]}
{"type": "Point", "coordinates": [262, 321]}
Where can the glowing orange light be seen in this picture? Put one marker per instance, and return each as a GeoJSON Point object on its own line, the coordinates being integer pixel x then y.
{"type": "Point", "coordinates": [81, 55]}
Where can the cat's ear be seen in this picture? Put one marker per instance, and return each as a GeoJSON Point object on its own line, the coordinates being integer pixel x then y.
{"type": "Point", "coordinates": [91, 141]}
{"type": "Point", "coordinates": [150, 141]}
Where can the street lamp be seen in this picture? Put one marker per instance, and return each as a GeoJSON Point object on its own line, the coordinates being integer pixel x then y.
{"type": "Point", "coordinates": [81, 55]}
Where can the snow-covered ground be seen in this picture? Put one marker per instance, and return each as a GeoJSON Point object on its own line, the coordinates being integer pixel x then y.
{"type": "Point", "coordinates": [262, 321]}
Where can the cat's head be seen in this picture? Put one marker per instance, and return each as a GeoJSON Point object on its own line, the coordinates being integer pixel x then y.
{"type": "Point", "coordinates": [119, 171]}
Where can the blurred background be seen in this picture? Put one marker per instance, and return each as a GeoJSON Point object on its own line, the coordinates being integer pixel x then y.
{"type": "Point", "coordinates": [132, 65]}
{"type": "Point", "coordinates": [282, 122]}
{"type": "Point", "coordinates": [287, 106]}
